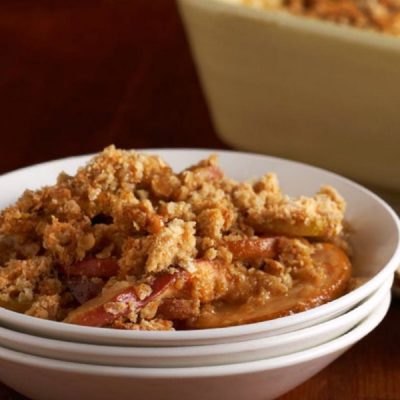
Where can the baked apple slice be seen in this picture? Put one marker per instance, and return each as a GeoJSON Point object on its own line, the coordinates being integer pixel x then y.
{"type": "Point", "coordinates": [119, 300]}
{"type": "Point", "coordinates": [85, 278]}
{"type": "Point", "coordinates": [92, 267]}
{"type": "Point", "coordinates": [249, 249]}
{"type": "Point", "coordinates": [333, 271]}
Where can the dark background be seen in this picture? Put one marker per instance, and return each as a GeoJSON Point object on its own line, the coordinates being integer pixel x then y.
{"type": "Point", "coordinates": [76, 76]}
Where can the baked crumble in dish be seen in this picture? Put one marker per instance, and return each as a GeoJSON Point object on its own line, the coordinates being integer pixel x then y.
{"type": "Point", "coordinates": [378, 15]}
{"type": "Point", "coordinates": [127, 243]}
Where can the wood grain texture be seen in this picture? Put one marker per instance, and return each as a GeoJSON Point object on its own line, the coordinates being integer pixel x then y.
{"type": "Point", "coordinates": [76, 76]}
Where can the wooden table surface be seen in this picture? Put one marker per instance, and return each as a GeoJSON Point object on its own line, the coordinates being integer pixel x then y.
{"type": "Point", "coordinates": [76, 76]}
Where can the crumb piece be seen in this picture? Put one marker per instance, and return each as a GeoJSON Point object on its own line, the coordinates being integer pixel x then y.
{"type": "Point", "coordinates": [45, 307]}
{"type": "Point", "coordinates": [175, 244]}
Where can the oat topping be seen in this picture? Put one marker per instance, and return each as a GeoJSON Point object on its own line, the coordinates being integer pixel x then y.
{"type": "Point", "coordinates": [128, 243]}
{"type": "Point", "coordinates": [378, 15]}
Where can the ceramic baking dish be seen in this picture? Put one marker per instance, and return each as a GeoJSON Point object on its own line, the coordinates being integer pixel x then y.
{"type": "Point", "coordinates": [301, 88]}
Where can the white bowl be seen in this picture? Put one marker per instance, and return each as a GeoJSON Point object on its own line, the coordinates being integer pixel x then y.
{"type": "Point", "coordinates": [46, 379]}
{"type": "Point", "coordinates": [375, 238]}
{"type": "Point", "coordinates": [300, 88]}
{"type": "Point", "coordinates": [187, 356]}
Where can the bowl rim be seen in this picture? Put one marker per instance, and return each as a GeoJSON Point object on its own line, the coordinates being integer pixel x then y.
{"type": "Point", "coordinates": [61, 328]}
{"type": "Point", "coordinates": [341, 343]}
{"type": "Point", "coordinates": [282, 18]}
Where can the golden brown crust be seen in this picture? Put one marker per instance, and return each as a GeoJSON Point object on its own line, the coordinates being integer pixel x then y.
{"type": "Point", "coordinates": [177, 242]}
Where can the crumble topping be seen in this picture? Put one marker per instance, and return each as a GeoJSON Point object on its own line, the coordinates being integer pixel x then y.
{"type": "Point", "coordinates": [377, 15]}
{"type": "Point", "coordinates": [128, 243]}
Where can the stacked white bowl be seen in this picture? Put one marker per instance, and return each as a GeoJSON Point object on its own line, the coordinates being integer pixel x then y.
{"type": "Point", "coordinates": [53, 360]}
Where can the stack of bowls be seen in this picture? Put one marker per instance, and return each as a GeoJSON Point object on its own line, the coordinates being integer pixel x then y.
{"type": "Point", "coordinates": [52, 360]}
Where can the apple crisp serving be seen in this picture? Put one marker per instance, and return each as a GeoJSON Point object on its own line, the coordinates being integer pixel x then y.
{"type": "Point", "coordinates": [127, 243]}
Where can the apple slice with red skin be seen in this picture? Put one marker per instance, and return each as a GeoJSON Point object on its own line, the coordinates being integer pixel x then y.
{"type": "Point", "coordinates": [124, 295]}
{"type": "Point", "coordinates": [78, 276]}
{"type": "Point", "coordinates": [84, 288]}
{"type": "Point", "coordinates": [92, 267]}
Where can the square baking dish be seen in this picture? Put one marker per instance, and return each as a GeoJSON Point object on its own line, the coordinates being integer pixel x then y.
{"type": "Point", "coordinates": [300, 88]}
